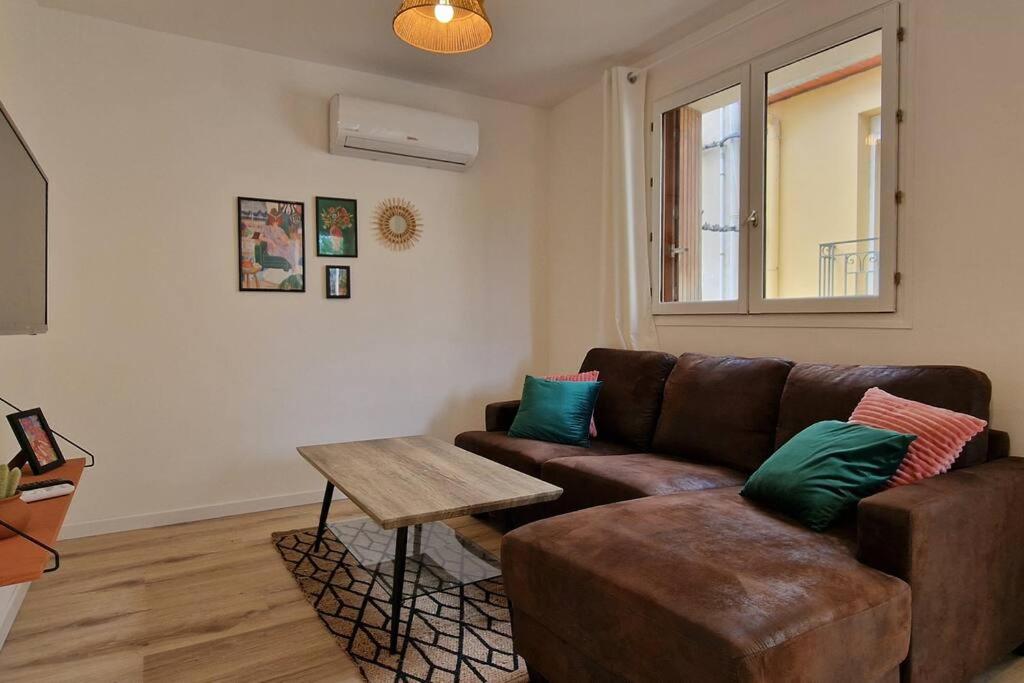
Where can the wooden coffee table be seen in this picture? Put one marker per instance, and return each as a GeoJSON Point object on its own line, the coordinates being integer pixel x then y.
{"type": "Point", "coordinates": [412, 480]}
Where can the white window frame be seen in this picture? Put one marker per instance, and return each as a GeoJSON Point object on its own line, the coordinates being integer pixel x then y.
{"type": "Point", "coordinates": [752, 79]}
{"type": "Point", "coordinates": [723, 81]}
{"type": "Point", "coordinates": [887, 19]}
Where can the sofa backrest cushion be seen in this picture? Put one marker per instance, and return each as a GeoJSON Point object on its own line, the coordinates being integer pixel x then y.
{"type": "Point", "coordinates": [722, 410]}
{"type": "Point", "coordinates": [631, 386]}
{"type": "Point", "coordinates": [817, 392]}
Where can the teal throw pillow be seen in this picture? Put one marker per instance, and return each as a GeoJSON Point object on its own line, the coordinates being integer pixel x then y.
{"type": "Point", "coordinates": [822, 472]}
{"type": "Point", "coordinates": [554, 411]}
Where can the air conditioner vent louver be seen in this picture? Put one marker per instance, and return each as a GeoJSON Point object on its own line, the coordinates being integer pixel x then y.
{"type": "Point", "coordinates": [386, 149]}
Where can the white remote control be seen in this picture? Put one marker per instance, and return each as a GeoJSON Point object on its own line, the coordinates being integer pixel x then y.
{"type": "Point", "coordinates": [48, 492]}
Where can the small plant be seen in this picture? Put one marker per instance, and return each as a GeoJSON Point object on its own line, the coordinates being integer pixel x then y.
{"type": "Point", "coordinates": [9, 480]}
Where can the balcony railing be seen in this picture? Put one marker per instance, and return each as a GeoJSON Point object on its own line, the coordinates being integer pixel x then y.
{"type": "Point", "coordinates": [848, 268]}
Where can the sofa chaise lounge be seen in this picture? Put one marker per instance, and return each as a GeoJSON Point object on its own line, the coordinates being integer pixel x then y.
{"type": "Point", "coordinates": [652, 567]}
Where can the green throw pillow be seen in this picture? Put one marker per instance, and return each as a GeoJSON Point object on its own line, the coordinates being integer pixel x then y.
{"type": "Point", "coordinates": [823, 471]}
{"type": "Point", "coordinates": [555, 411]}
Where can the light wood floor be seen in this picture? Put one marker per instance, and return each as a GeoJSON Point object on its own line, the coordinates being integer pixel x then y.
{"type": "Point", "coordinates": [205, 601]}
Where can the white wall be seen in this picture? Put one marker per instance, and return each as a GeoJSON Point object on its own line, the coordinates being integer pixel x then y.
{"type": "Point", "coordinates": [962, 175]}
{"type": "Point", "coordinates": [192, 393]}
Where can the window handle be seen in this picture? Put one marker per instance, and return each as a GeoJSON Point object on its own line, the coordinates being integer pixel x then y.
{"type": "Point", "coordinates": [752, 219]}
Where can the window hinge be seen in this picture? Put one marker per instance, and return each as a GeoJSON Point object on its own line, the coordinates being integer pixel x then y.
{"type": "Point", "coordinates": [901, 33]}
{"type": "Point", "coordinates": [899, 116]}
{"type": "Point", "coordinates": [897, 277]}
{"type": "Point", "coordinates": [652, 182]}
{"type": "Point", "coordinates": [652, 126]}
{"type": "Point", "coordinates": [650, 237]}
{"type": "Point", "coordinates": [899, 196]}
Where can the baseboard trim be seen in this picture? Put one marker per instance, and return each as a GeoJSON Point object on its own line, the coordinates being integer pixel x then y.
{"type": "Point", "coordinates": [192, 514]}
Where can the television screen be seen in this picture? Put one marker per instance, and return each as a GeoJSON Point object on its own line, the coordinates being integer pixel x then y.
{"type": "Point", "coordinates": [23, 188]}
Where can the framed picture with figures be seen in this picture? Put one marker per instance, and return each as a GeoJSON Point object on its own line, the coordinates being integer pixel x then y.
{"type": "Point", "coordinates": [271, 245]}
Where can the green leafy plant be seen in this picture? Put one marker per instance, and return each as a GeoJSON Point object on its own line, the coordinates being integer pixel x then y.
{"type": "Point", "coordinates": [9, 480]}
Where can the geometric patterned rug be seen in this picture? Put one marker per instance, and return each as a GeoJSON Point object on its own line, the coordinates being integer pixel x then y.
{"type": "Point", "coordinates": [458, 635]}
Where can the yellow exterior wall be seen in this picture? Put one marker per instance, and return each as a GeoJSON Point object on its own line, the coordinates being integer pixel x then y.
{"type": "Point", "coordinates": [817, 177]}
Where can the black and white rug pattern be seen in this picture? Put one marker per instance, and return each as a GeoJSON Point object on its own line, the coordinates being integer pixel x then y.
{"type": "Point", "coordinates": [459, 634]}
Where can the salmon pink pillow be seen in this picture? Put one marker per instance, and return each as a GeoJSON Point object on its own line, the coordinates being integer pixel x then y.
{"type": "Point", "coordinates": [941, 434]}
{"type": "Point", "coordinates": [579, 377]}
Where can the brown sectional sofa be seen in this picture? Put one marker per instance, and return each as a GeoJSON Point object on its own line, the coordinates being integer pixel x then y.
{"type": "Point", "coordinates": [652, 567]}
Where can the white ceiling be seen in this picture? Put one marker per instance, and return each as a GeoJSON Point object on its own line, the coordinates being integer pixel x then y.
{"type": "Point", "coordinates": [543, 50]}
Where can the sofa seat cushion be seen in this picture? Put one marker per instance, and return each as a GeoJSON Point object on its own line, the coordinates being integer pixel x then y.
{"type": "Point", "coordinates": [588, 480]}
{"type": "Point", "coordinates": [527, 455]}
{"type": "Point", "coordinates": [721, 409]}
{"type": "Point", "coordinates": [705, 586]}
{"type": "Point", "coordinates": [816, 392]}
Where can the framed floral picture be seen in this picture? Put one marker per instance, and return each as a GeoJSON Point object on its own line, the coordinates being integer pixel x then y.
{"type": "Point", "coordinates": [337, 232]}
{"type": "Point", "coordinates": [339, 282]}
{"type": "Point", "coordinates": [271, 245]}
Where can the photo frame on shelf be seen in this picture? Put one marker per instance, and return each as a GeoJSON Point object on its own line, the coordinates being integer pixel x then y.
{"type": "Point", "coordinates": [38, 445]}
{"type": "Point", "coordinates": [337, 227]}
{"type": "Point", "coordinates": [271, 245]}
{"type": "Point", "coordinates": [339, 282]}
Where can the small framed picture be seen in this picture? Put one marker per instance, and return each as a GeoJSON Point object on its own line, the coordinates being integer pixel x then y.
{"type": "Point", "coordinates": [271, 245]}
{"type": "Point", "coordinates": [38, 445]}
{"type": "Point", "coordinates": [337, 232]}
{"type": "Point", "coordinates": [339, 282]}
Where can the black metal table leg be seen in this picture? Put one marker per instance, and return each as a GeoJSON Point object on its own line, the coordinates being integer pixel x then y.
{"type": "Point", "coordinates": [326, 508]}
{"type": "Point", "coordinates": [398, 584]}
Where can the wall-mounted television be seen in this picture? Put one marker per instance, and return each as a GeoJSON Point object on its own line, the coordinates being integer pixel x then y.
{"type": "Point", "coordinates": [23, 216]}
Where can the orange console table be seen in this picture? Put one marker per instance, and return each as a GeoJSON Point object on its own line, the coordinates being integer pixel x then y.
{"type": "Point", "coordinates": [20, 560]}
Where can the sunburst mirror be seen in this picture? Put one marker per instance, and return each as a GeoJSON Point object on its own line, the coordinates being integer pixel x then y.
{"type": "Point", "coordinates": [398, 223]}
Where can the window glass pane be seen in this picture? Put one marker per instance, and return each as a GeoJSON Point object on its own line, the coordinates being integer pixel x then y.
{"type": "Point", "coordinates": [823, 136]}
{"type": "Point", "coordinates": [701, 199]}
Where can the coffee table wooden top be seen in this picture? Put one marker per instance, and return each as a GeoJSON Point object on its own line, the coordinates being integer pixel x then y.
{"type": "Point", "coordinates": [419, 479]}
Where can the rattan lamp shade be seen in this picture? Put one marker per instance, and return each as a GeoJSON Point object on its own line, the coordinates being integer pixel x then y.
{"type": "Point", "coordinates": [468, 30]}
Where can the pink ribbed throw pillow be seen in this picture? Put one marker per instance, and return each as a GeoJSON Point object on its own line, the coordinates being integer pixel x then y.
{"type": "Point", "coordinates": [941, 434]}
{"type": "Point", "coordinates": [579, 377]}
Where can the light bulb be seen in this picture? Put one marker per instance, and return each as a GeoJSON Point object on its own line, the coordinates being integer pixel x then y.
{"type": "Point", "coordinates": [444, 12]}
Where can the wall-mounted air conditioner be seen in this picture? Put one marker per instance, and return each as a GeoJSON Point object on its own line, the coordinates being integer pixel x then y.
{"type": "Point", "coordinates": [402, 135]}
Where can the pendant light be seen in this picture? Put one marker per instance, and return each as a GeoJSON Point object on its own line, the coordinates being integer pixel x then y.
{"type": "Point", "coordinates": [443, 26]}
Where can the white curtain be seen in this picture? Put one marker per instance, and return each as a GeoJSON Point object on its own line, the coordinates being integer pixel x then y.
{"type": "Point", "coordinates": [625, 267]}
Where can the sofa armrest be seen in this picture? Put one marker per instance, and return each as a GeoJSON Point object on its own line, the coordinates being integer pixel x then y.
{"type": "Point", "coordinates": [957, 540]}
{"type": "Point", "coordinates": [498, 416]}
{"type": "Point", "coordinates": [998, 444]}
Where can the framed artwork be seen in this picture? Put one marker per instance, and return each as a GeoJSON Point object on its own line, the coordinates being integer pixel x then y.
{"type": "Point", "coordinates": [271, 245]}
{"type": "Point", "coordinates": [38, 445]}
{"type": "Point", "coordinates": [337, 230]}
{"type": "Point", "coordinates": [339, 282]}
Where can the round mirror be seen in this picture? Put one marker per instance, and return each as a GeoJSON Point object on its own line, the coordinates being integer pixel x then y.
{"type": "Point", "coordinates": [398, 225]}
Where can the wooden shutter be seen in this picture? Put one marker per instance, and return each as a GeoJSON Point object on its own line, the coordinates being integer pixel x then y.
{"type": "Point", "coordinates": [691, 149]}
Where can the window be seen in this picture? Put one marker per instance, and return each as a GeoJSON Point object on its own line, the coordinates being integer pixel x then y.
{"type": "Point", "coordinates": [703, 189]}
{"type": "Point", "coordinates": [798, 215]}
